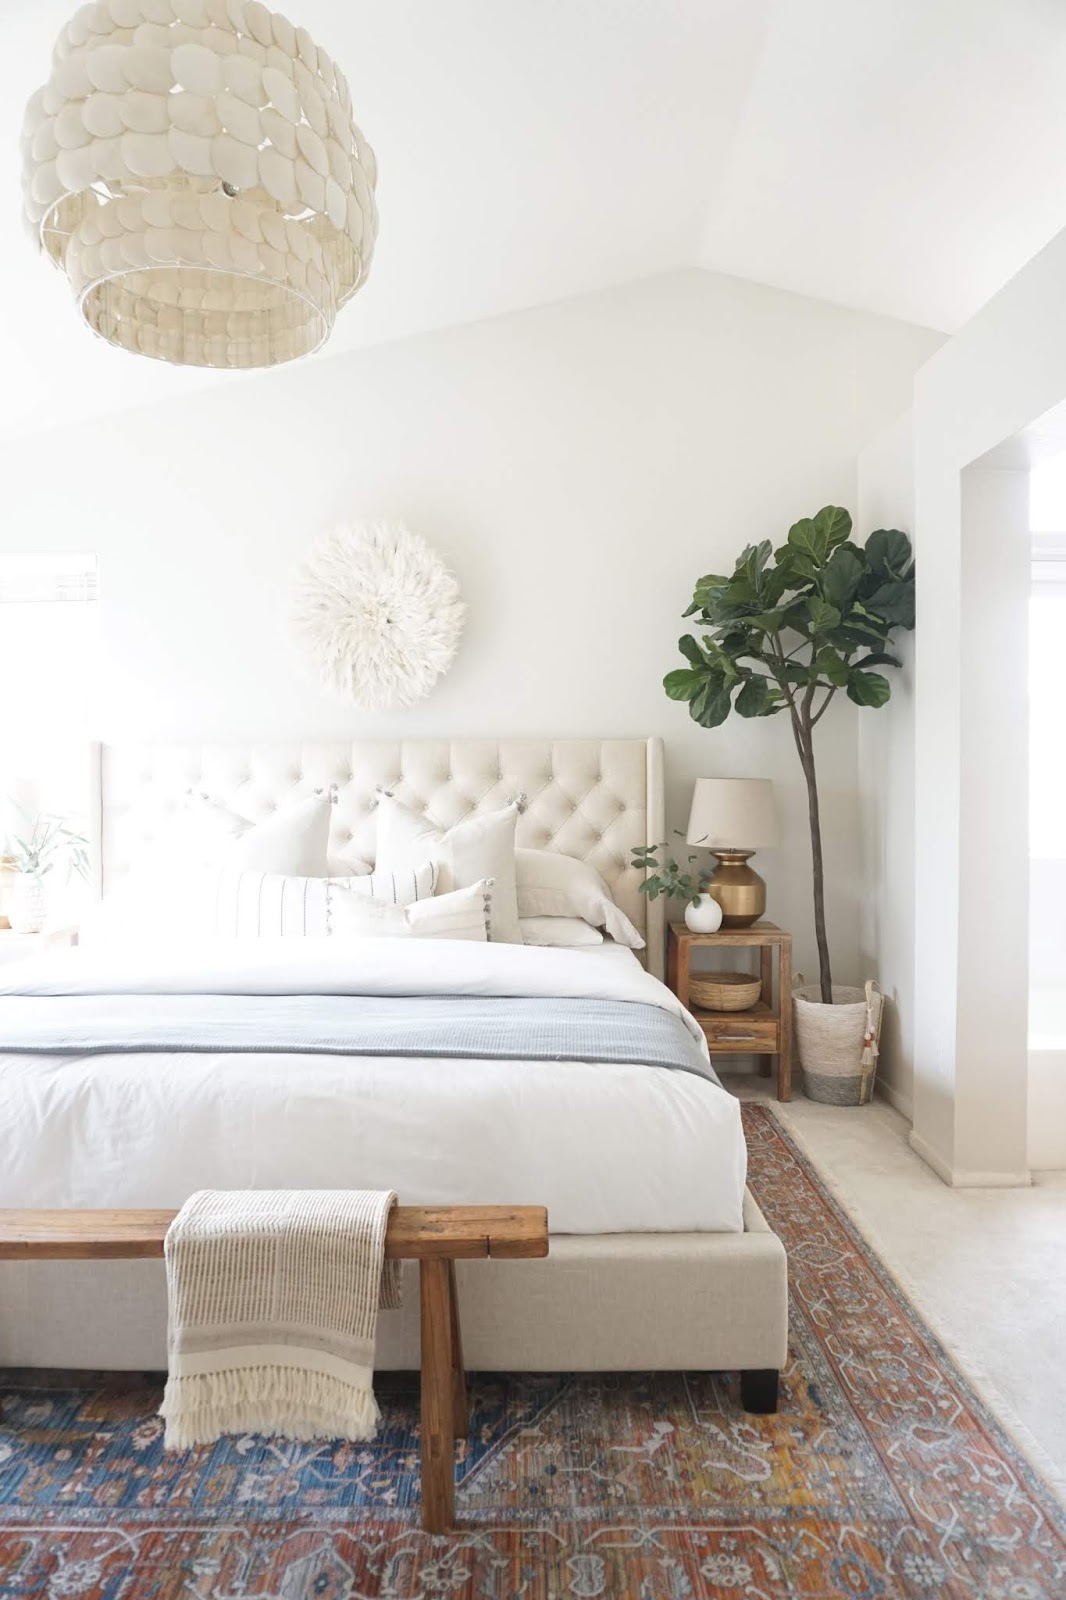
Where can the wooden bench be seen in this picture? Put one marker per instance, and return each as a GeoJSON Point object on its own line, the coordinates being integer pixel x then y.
{"type": "Point", "coordinates": [434, 1236]}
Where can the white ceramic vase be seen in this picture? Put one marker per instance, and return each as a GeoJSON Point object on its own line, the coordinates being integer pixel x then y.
{"type": "Point", "coordinates": [27, 906]}
{"type": "Point", "coordinates": [705, 916]}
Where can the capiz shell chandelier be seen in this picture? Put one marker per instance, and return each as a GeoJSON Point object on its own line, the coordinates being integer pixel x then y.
{"type": "Point", "coordinates": [193, 167]}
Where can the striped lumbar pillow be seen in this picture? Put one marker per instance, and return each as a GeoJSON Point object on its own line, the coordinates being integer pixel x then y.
{"type": "Point", "coordinates": [264, 905]}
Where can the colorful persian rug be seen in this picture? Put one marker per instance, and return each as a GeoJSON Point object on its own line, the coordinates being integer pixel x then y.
{"type": "Point", "coordinates": [883, 1475]}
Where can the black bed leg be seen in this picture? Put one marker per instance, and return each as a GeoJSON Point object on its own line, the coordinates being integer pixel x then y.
{"type": "Point", "coordinates": [758, 1390]}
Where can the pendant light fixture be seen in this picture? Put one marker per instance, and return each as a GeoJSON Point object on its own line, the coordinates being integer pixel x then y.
{"type": "Point", "coordinates": [194, 169]}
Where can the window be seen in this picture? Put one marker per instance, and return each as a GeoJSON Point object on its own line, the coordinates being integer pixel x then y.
{"type": "Point", "coordinates": [48, 657]}
{"type": "Point", "coordinates": [1047, 700]}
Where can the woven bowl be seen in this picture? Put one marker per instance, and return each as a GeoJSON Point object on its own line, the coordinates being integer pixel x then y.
{"type": "Point", "coordinates": [724, 991]}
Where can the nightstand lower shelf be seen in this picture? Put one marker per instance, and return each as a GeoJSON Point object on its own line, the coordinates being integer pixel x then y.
{"type": "Point", "coordinates": [764, 1029]}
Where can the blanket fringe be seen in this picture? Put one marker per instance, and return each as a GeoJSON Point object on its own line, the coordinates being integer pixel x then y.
{"type": "Point", "coordinates": [288, 1401]}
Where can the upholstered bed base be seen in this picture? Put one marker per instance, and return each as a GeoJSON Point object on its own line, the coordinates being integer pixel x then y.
{"type": "Point", "coordinates": [623, 1302]}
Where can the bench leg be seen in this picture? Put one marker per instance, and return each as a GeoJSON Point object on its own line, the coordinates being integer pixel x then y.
{"type": "Point", "coordinates": [438, 1381]}
{"type": "Point", "coordinates": [460, 1399]}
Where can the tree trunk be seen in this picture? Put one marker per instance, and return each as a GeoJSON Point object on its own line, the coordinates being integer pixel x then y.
{"type": "Point", "coordinates": [805, 745]}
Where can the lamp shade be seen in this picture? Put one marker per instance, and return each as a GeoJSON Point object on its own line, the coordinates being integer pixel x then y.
{"type": "Point", "coordinates": [732, 814]}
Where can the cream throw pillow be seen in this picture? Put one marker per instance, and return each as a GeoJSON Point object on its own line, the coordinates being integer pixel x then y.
{"type": "Point", "coordinates": [293, 840]}
{"type": "Point", "coordinates": [553, 885]}
{"type": "Point", "coordinates": [481, 846]}
{"type": "Point", "coordinates": [462, 914]}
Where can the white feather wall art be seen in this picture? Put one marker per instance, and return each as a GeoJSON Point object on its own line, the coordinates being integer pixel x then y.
{"type": "Point", "coordinates": [378, 613]}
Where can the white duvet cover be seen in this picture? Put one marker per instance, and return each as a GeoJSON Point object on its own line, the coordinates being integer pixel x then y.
{"type": "Point", "coordinates": [606, 1148]}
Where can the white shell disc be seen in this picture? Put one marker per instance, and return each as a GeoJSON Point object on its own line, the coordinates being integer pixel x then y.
{"type": "Point", "coordinates": [312, 149]}
{"type": "Point", "coordinates": [235, 163]}
{"type": "Point", "coordinates": [197, 69]}
{"type": "Point", "coordinates": [192, 153]}
{"type": "Point", "coordinates": [71, 78]}
{"type": "Point", "coordinates": [278, 177]}
{"type": "Point", "coordinates": [148, 67]}
{"type": "Point", "coordinates": [104, 67]}
{"type": "Point", "coordinates": [144, 113]}
{"type": "Point", "coordinates": [148, 155]}
{"type": "Point", "coordinates": [244, 78]}
{"type": "Point", "coordinates": [336, 205]}
{"type": "Point", "coordinates": [194, 113]}
{"type": "Point", "coordinates": [239, 118]}
{"type": "Point", "coordinates": [275, 230]}
{"type": "Point", "coordinates": [282, 93]}
{"type": "Point", "coordinates": [70, 130]}
{"type": "Point", "coordinates": [76, 169]}
{"type": "Point", "coordinates": [100, 114]}
{"type": "Point", "coordinates": [279, 130]}
{"type": "Point", "coordinates": [311, 187]}
{"type": "Point", "coordinates": [257, 20]}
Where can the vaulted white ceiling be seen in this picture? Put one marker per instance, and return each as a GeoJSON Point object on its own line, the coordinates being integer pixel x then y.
{"type": "Point", "coordinates": [900, 156]}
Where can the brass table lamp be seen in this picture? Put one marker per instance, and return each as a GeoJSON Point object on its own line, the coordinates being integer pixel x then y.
{"type": "Point", "coordinates": [734, 817]}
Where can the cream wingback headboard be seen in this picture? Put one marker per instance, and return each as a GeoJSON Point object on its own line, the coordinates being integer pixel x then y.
{"type": "Point", "coordinates": [590, 798]}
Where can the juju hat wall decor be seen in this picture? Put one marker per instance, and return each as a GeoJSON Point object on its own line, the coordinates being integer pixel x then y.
{"type": "Point", "coordinates": [379, 614]}
{"type": "Point", "coordinates": [193, 167]}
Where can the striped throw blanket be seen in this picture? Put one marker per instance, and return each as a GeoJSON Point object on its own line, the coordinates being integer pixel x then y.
{"type": "Point", "coordinates": [273, 1303]}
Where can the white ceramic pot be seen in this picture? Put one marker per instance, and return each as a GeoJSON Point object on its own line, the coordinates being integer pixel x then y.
{"type": "Point", "coordinates": [27, 906]}
{"type": "Point", "coordinates": [705, 916]}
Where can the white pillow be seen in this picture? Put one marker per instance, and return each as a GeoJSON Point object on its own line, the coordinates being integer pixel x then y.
{"type": "Point", "coordinates": [553, 885]}
{"type": "Point", "coordinates": [462, 914]}
{"type": "Point", "coordinates": [569, 933]}
{"type": "Point", "coordinates": [481, 846]}
{"type": "Point", "coordinates": [246, 905]}
{"type": "Point", "coordinates": [293, 840]}
{"type": "Point", "coordinates": [257, 905]}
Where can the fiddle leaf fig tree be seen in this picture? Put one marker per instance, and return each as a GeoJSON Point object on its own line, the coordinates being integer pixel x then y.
{"type": "Point", "coordinates": [787, 631]}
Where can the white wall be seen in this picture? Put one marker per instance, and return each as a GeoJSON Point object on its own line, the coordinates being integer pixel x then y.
{"type": "Point", "coordinates": [1005, 370]}
{"type": "Point", "coordinates": [579, 466]}
{"type": "Point", "coordinates": [886, 786]}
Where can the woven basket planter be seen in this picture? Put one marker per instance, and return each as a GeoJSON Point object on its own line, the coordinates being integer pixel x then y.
{"type": "Point", "coordinates": [724, 991]}
{"type": "Point", "coordinates": [838, 1044]}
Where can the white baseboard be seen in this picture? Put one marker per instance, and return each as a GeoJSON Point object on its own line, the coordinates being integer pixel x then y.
{"type": "Point", "coordinates": [959, 1177]}
{"type": "Point", "coordinates": [896, 1098]}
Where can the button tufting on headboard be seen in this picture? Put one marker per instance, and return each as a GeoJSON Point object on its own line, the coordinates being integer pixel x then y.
{"type": "Point", "coordinates": [590, 798]}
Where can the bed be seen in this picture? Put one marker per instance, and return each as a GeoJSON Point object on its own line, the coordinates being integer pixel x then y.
{"type": "Point", "coordinates": [659, 1257]}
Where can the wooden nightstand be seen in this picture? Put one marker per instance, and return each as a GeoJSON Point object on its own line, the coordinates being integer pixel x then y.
{"type": "Point", "coordinates": [765, 1029]}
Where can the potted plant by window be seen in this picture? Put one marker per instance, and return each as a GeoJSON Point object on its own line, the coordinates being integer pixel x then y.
{"type": "Point", "coordinates": [787, 631]}
{"type": "Point", "coordinates": [46, 842]}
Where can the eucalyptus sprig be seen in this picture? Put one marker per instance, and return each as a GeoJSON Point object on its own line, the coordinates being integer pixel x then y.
{"type": "Point", "coordinates": [44, 843]}
{"type": "Point", "coordinates": [666, 877]}
{"type": "Point", "coordinates": [787, 631]}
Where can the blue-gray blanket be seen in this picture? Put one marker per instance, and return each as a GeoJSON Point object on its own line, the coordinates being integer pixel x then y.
{"type": "Point", "coordinates": [450, 1026]}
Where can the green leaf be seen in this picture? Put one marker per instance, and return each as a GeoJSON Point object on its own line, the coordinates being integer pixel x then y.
{"type": "Point", "coordinates": [868, 688]}
{"type": "Point", "coordinates": [752, 560]}
{"type": "Point", "coordinates": [840, 579]}
{"type": "Point", "coordinates": [830, 664]}
{"type": "Point", "coordinates": [879, 658]}
{"type": "Point", "coordinates": [757, 699]}
{"type": "Point", "coordinates": [835, 523]}
{"type": "Point", "coordinates": [809, 540]}
{"type": "Point", "coordinates": [894, 602]}
{"type": "Point", "coordinates": [889, 551]}
{"type": "Point", "coordinates": [712, 705]}
{"type": "Point", "coordinates": [691, 650]}
{"type": "Point", "coordinates": [683, 683]}
{"type": "Point", "coordinates": [823, 617]}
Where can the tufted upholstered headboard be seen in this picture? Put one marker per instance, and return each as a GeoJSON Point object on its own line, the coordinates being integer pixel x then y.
{"type": "Point", "coordinates": [590, 798]}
